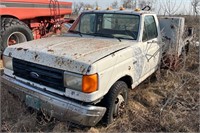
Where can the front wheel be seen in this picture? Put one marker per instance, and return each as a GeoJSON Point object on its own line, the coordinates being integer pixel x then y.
{"type": "Point", "coordinates": [115, 101]}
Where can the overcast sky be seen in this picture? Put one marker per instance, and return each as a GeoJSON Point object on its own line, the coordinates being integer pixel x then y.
{"type": "Point", "coordinates": [185, 4]}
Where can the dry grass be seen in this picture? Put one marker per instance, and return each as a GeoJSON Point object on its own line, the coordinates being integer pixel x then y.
{"type": "Point", "coordinates": [165, 102]}
{"type": "Point", "coordinates": [1, 64]}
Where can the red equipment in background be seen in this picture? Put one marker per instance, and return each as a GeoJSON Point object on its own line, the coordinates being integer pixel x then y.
{"type": "Point", "coordinates": [24, 20]}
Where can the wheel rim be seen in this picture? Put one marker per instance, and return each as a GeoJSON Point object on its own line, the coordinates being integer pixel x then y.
{"type": "Point", "coordinates": [119, 106]}
{"type": "Point", "coordinates": [16, 37]}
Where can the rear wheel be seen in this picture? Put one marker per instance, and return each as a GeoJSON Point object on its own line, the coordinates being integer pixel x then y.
{"type": "Point", "coordinates": [115, 101]}
{"type": "Point", "coordinates": [14, 31]}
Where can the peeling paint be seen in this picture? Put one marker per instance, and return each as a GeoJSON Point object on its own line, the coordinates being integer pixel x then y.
{"type": "Point", "coordinates": [50, 50]}
{"type": "Point", "coordinates": [36, 56]}
{"type": "Point", "coordinates": [10, 54]}
{"type": "Point", "coordinates": [19, 49]}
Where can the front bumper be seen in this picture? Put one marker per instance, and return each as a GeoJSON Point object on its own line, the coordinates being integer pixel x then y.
{"type": "Point", "coordinates": [55, 105]}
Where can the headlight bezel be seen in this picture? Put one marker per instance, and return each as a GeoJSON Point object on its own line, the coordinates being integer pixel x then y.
{"type": "Point", "coordinates": [8, 62]}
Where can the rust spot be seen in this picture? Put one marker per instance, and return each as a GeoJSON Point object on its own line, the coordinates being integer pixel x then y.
{"type": "Point", "coordinates": [59, 61]}
{"type": "Point", "coordinates": [75, 54]}
{"type": "Point", "coordinates": [129, 68]}
{"type": "Point", "coordinates": [172, 26]}
{"type": "Point", "coordinates": [10, 54]}
{"type": "Point", "coordinates": [72, 93]}
{"type": "Point", "coordinates": [89, 69]}
{"type": "Point", "coordinates": [82, 69]}
{"type": "Point", "coordinates": [36, 56]}
{"type": "Point", "coordinates": [19, 49]}
{"type": "Point", "coordinates": [50, 50]}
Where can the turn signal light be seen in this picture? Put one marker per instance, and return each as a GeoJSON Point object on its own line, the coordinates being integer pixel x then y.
{"type": "Point", "coordinates": [109, 8]}
{"type": "Point", "coordinates": [88, 8]}
{"type": "Point", "coordinates": [137, 9]}
{"type": "Point", "coordinates": [121, 8]}
{"type": "Point", "coordinates": [98, 8]}
{"type": "Point", "coordinates": [90, 83]}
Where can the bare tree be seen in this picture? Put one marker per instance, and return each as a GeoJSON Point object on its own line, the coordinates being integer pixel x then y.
{"type": "Point", "coordinates": [196, 7]}
{"type": "Point", "coordinates": [170, 7]}
{"type": "Point", "coordinates": [96, 4]}
{"type": "Point", "coordinates": [143, 3]}
{"type": "Point", "coordinates": [87, 5]}
{"type": "Point", "coordinates": [128, 3]}
{"type": "Point", "coordinates": [77, 7]}
{"type": "Point", "coordinates": [115, 4]}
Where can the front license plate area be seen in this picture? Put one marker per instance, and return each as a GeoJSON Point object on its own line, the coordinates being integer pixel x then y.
{"type": "Point", "coordinates": [33, 102]}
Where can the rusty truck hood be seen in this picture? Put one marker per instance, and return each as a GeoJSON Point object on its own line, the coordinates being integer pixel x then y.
{"type": "Point", "coordinates": [73, 54]}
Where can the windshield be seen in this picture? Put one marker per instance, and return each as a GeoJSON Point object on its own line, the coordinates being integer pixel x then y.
{"type": "Point", "coordinates": [121, 26]}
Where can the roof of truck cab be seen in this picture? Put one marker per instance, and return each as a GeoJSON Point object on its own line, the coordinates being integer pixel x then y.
{"type": "Point", "coordinates": [119, 11]}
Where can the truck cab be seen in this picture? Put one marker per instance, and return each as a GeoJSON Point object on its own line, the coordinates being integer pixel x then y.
{"type": "Point", "coordinates": [85, 75]}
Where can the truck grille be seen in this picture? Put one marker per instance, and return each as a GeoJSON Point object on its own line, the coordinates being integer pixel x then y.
{"type": "Point", "coordinates": [40, 74]}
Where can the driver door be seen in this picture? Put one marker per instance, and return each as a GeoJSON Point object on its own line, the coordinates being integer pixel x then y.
{"type": "Point", "coordinates": [150, 41]}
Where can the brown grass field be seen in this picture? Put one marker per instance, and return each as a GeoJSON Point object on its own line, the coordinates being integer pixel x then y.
{"type": "Point", "coordinates": [168, 101]}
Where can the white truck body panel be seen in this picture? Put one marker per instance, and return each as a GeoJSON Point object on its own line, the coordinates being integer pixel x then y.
{"type": "Point", "coordinates": [172, 29]}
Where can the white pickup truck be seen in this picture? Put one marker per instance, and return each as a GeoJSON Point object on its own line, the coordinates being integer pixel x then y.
{"type": "Point", "coordinates": [85, 75]}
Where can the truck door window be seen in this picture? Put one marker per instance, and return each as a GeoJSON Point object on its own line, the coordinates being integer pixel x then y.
{"type": "Point", "coordinates": [150, 29]}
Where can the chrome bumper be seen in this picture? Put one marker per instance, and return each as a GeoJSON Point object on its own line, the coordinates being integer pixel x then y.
{"type": "Point", "coordinates": [56, 106]}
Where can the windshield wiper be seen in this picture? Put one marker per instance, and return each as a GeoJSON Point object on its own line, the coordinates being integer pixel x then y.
{"type": "Point", "coordinates": [77, 32]}
{"type": "Point", "coordinates": [117, 38]}
{"type": "Point", "coordinates": [106, 35]}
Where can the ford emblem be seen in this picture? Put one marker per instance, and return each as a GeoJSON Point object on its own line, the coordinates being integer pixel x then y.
{"type": "Point", "coordinates": [34, 75]}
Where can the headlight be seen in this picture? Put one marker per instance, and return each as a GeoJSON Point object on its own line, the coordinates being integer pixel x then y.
{"type": "Point", "coordinates": [73, 81]}
{"type": "Point", "coordinates": [7, 62]}
{"type": "Point", "coordinates": [85, 83]}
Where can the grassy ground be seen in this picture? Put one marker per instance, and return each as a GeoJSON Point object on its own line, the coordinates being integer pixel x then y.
{"type": "Point", "coordinates": [168, 101]}
{"type": "Point", "coordinates": [1, 65]}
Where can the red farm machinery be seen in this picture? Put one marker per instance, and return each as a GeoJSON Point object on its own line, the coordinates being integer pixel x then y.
{"type": "Point", "coordinates": [25, 20]}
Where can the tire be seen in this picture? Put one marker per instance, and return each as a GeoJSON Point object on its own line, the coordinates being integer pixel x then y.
{"type": "Point", "coordinates": [14, 28]}
{"type": "Point", "coordinates": [117, 98]}
{"type": "Point", "coordinates": [185, 49]}
{"type": "Point", "coordinates": [182, 58]}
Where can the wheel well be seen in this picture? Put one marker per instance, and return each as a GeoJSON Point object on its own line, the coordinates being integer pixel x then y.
{"type": "Point", "coordinates": [128, 80]}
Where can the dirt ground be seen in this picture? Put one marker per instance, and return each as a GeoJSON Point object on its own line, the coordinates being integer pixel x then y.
{"type": "Point", "coordinates": [168, 101]}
